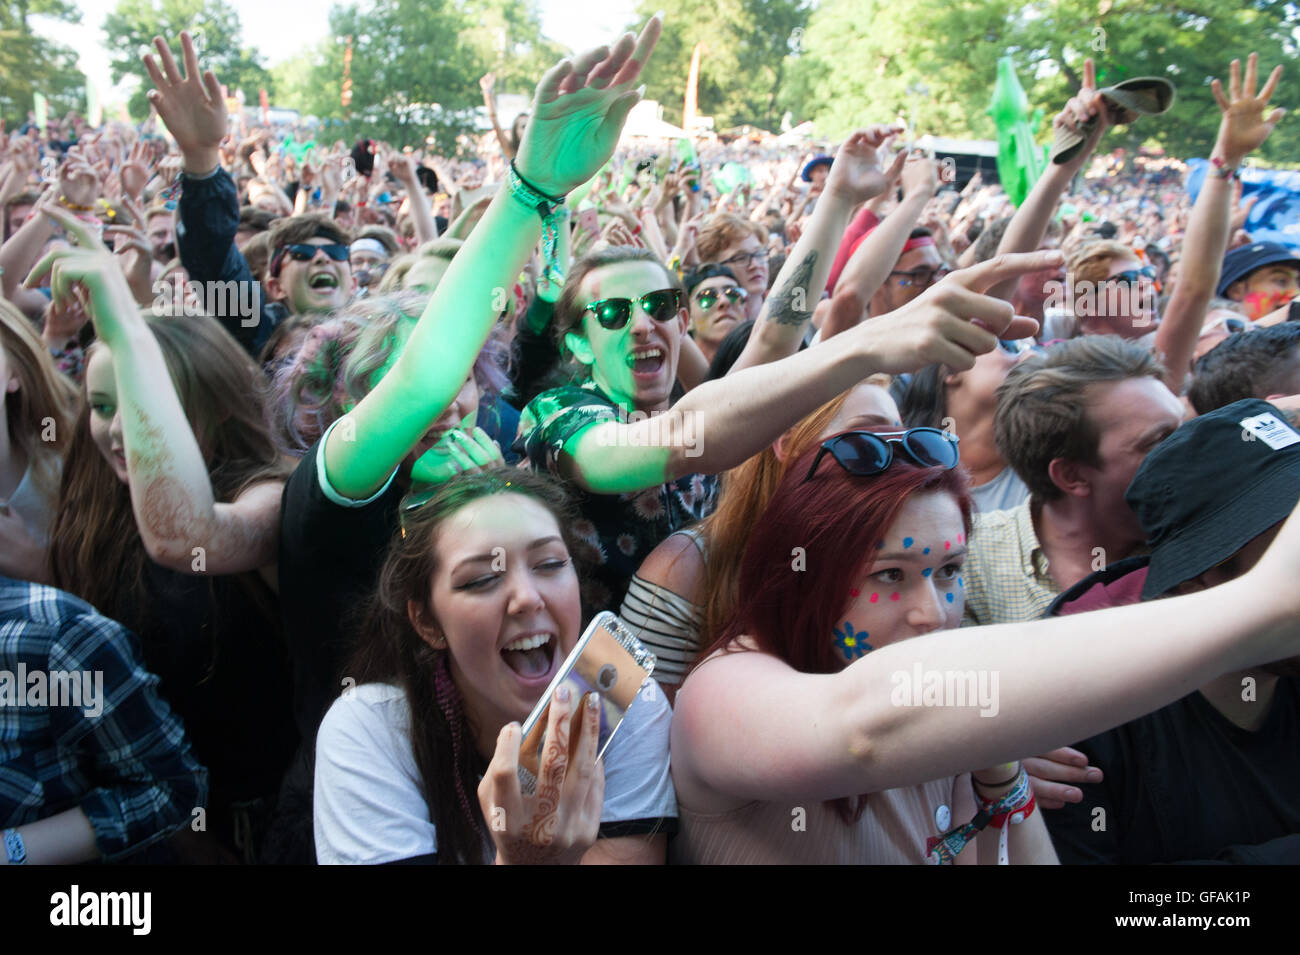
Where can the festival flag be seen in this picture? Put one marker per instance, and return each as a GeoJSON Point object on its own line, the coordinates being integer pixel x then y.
{"type": "Point", "coordinates": [691, 104]}
{"type": "Point", "coordinates": [42, 110]}
{"type": "Point", "coordinates": [1275, 217]}
{"type": "Point", "coordinates": [266, 107]}
{"type": "Point", "coordinates": [347, 76]}
{"type": "Point", "coordinates": [94, 108]}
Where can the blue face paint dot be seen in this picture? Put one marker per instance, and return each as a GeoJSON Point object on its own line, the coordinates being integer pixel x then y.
{"type": "Point", "coordinates": [959, 582]}
{"type": "Point", "coordinates": [926, 551]}
{"type": "Point", "coordinates": [949, 596]}
{"type": "Point", "coordinates": [907, 542]}
{"type": "Point", "coordinates": [926, 572]}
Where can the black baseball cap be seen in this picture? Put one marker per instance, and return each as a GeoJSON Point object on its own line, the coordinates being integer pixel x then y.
{"type": "Point", "coordinates": [1240, 262]}
{"type": "Point", "coordinates": [709, 270]}
{"type": "Point", "coordinates": [1213, 486]}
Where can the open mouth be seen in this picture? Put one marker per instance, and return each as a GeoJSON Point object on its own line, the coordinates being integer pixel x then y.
{"type": "Point", "coordinates": [323, 281]}
{"type": "Point", "coordinates": [532, 656]}
{"type": "Point", "coordinates": [648, 361]}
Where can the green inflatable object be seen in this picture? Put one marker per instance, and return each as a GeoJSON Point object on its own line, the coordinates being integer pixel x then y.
{"type": "Point", "coordinates": [732, 175]}
{"type": "Point", "coordinates": [1020, 160]}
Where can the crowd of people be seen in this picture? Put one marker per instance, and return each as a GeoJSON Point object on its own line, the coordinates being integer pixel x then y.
{"type": "Point", "coordinates": [952, 527]}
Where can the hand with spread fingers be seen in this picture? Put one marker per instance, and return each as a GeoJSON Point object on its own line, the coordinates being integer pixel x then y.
{"type": "Point", "coordinates": [192, 105]}
{"type": "Point", "coordinates": [1244, 125]}
{"type": "Point", "coordinates": [467, 451]}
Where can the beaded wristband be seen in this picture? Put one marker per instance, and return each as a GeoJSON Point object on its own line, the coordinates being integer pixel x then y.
{"type": "Point", "coordinates": [72, 206]}
{"type": "Point", "coordinates": [1221, 169]}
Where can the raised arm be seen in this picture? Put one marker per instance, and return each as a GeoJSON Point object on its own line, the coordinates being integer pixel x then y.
{"type": "Point", "coordinates": [1027, 227]}
{"type": "Point", "coordinates": [403, 167]}
{"type": "Point", "coordinates": [488, 84]}
{"type": "Point", "coordinates": [737, 416]}
{"type": "Point", "coordinates": [747, 725]}
{"type": "Point", "coordinates": [854, 178]}
{"type": "Point", "coordinates": [171, 491]}
{"type": "Point", "coordinates": [1243, 128]}
{"type": "Point", "coordinates": [578, 113]}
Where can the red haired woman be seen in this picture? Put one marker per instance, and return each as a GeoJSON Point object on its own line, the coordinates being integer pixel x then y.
{"type": "Point", "coordinates": [828, 721]}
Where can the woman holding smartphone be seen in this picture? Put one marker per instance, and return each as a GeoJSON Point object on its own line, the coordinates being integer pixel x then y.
{"type": "Point", "coordinates": [477, 608]}
{"type": "Point", "coordinates": [828, 721]}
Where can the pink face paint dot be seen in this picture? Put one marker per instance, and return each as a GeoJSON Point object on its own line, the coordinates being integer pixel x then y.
{"type": "Point", "coordinates": [893, 596]}
{"type": "Point", "coordinates": [875, 597]}
{"type": "Point", "coordinates": [947, 545]}
{"type": "Point", "coordinates": [853, 592]}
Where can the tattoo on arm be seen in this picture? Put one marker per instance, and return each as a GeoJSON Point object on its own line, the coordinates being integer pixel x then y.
{"type": "Point", "coordinates": [790, 304]}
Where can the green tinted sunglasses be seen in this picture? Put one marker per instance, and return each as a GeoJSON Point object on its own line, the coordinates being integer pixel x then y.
{"type": "Point", "coordinates": [613, 313]}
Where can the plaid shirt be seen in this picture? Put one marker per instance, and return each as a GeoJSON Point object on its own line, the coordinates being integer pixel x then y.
{"type": "Point", "coordinates": [1006, 571]}
{"type": "Point", "coordinates": [129, 768]}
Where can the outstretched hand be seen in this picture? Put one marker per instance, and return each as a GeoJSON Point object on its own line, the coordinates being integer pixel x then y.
{"type": "Point", "coordinates": [856, 174]}
{"type": "Point", "coordinates": [1084, 106]}
{"type": "Point", "coordinates": [579, 110]}
{"type": "Point", "coordinates": [1244, 127]}
{"type": "Point", "coordinates": [192, 106]}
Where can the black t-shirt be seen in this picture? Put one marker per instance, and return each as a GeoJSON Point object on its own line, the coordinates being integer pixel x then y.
{"type": "Point", "coordinates": [1184, 784]}
{"type": "Point", "coordinates": [330, 556]}
{"type": "Point", "coordinates": [219, 653]}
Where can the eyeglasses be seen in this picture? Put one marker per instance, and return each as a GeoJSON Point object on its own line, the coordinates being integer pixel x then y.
{"type": "Point", "coordinates": [922, 277]}
{"type": "Point", "coordinates": [735, 294]}
{"type": "Point", "coordinates": [1130, 276]}
{"type": "Point", "coordinates": [865, 453]}
{"type": "Point", "coordinates": [743, 259]}
{"type": "Point", "coordinates": [305, 252]}
{"type": "Point", "coordinates": [613, 313]}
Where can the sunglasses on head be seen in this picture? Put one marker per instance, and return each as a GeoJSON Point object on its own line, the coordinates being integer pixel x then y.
{"type": "Point", "coordinates": [735, 294]}
{"type": "Point", "coordinates": [864, 453]}
{"type": "Point", "coordinates": [305, 252]}
{"type": "Point", "coordinates": [613, 313]}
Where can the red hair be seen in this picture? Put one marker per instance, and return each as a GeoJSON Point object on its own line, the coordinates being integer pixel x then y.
{"type": "Point", "coordinates": [837, 520]}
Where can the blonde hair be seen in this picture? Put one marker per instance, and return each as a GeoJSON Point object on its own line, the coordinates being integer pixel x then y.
{"type": "Point", "coordinates": [724, 230]}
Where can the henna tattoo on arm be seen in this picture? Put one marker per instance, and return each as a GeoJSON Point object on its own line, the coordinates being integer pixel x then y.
{"type": "Point", "coordinates": [790, 304]}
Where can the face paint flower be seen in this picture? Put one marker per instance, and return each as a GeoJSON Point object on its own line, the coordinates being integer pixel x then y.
{"type": "Point", "coordinates": [851, 643]}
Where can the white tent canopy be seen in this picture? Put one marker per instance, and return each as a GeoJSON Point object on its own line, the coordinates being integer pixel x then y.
{"type": "Point", "coordinates": [645, 121]}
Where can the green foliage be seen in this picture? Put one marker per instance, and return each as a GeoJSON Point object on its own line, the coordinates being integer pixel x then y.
{"type": "Point", "coordinates": [416, 66]}
{"type": "Point", "coordinates": [744, 67]}
{"type": "Point", "coordinates": [952, 49]}
{"type": "Point", "coordinates": [30, 63]}
{"type": "Point", "coordinates": [129, 31]}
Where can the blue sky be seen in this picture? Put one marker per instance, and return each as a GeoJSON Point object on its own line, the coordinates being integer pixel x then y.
{"type": "Point", "coordinates": [279, 30]}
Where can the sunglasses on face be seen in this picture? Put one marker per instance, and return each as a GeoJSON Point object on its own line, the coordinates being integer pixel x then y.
{"type": "Point", "coordinates": [865, 453]}
{"type": "Point", "coordinates": [613, 313]}
{"type": "Point", "coordinates": [743, 259]}
{"type": "Point", "coordinates": [305, 252]}
{"type": "Point", "coordinates": [920, 277]}
{"type": "Point", "coordinates": [1130, 276]}
{"type": "Point", "coordinates": [735, 294]}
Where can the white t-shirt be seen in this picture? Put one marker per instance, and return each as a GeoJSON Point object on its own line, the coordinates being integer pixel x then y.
{"type": "Point", "coordinates": [369, 804]}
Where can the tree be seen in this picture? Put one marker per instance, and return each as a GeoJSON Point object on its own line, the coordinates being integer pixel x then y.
{"type": "Point", "coordinates": [747, 43]}
{"type": "Point", "coordinates": [951, 51]}
{"type": "Point", "coordinates": [30, 63]}
{"type": "Point", "coordinates": [129, 31]}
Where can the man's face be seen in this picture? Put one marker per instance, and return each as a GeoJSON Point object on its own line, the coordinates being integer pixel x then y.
{"type": "Point", "coordinates": [1122, 304]}
{"type": "Point", "coordinates": [818, 177]}
{"type": "Point", "coordinates": [914, 272]}
{"type": "Point", "coordinates": [1267, 289]}
{"type": "Point", "coordinates": [368, 266]}
{"type": "Point", "coordinates": [635, 365]}
{"type": "Point", "coordinates": [318, 285]}
{"type": "Point", "coordinates": [1131, 417]}
{"type": "Point", "coordinates": [748, 261]}
{"type": "Point", "coordinates": [162, 236]}
{"type": "Point", "coordinates": [711, 324]}
{"type": "Point", "coordinates": [17, 216]}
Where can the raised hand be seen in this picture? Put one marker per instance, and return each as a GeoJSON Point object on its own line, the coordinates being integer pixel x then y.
{"type": "Point", "coordinates": [134, 251]}
{"type": "Point", "coordinates": [136, 170]}
{"type": "Point", "coordinates": [1083, 107]}
{"type": "Point", "coordinates": [79, 182]}
{"type": "Point", "coordinates": [1244, 127]}
{"type": "Point", "coordinates": [578, 112]}
{"type": "Point", "coordinates": [920, 176]}
{"type": "Point", "coordinates": [459, 451]}
{"type": "Point", "coordinates": [855, 174]}
{"type": "Point", "coordinates": [400, 165]}
{"type": "Point", "coordinates": [191, 106]}
{"type": "Point", "coordinates": [487, 83]}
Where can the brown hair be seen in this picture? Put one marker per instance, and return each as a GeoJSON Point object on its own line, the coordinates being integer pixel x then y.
{"type": "Point", "coordinates": [1042, 411]}
{"type": "Point", "coordinates": [96, 550]}
{"type": "Point", "coordinates": [724, 230]}
{"type": "Point", "coordinates": [45, 403]}
{"type": "Point", "coordinates": [390, 650]}
{"type": "Point", "coordinates": [304, 228]}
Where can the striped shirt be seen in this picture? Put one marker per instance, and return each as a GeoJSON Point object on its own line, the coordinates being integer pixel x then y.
{"type": "Point", "coordinates": [1006, 576]}
{"type": "Point", "coordinates": [667, 623]}
{"type": "Point", "coordinates": [82, 725]}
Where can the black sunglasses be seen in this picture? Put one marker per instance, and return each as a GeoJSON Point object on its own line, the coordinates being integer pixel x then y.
{"type": "Point", "coordinates": [735, 294]}
{"type": "Point", "coordinates": [865, 453]}
{"type": "Point", "coordinates": [926, 277]}
{"type": "Point", "coordinates": [1130, 276]}
{"type": "Point", "coordinates": [613, 313]}
{"type": "Point", "coordinates": [305, 252]}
